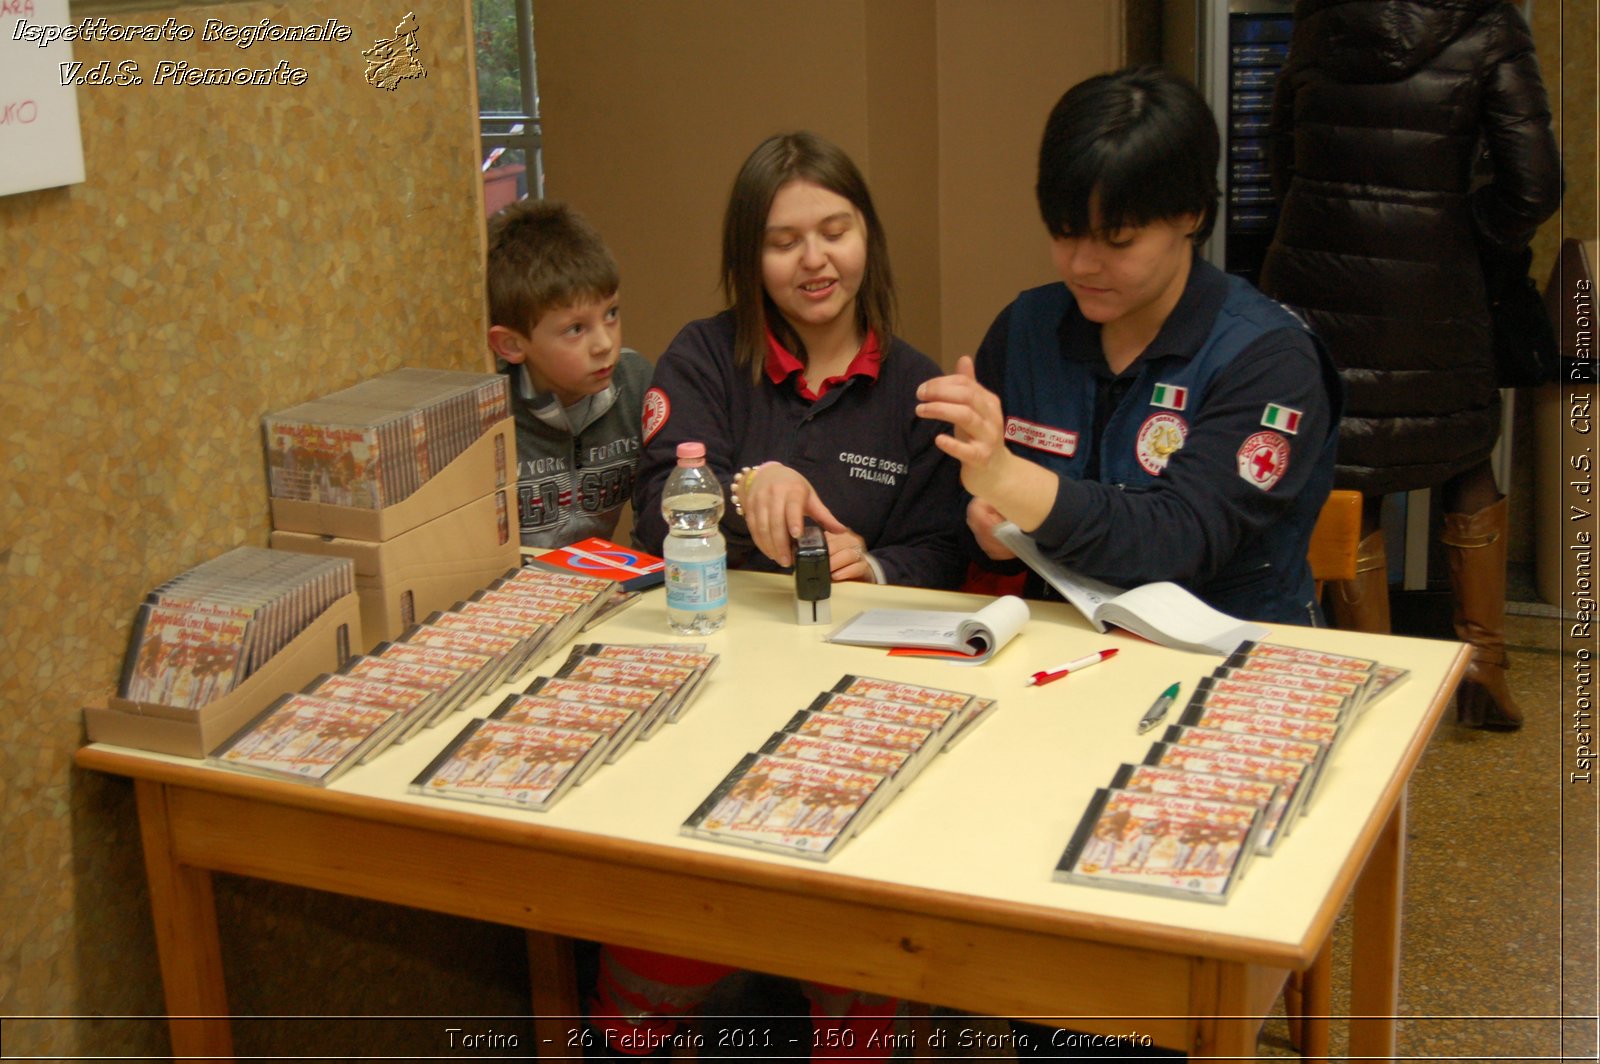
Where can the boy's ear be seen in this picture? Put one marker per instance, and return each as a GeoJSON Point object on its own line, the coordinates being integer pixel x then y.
{"type": "Point", "coordinates": [507, 343]}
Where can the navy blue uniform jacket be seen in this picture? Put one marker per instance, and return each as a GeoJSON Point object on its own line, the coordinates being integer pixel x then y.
{"type": "Point", "coordinates": [1209, 459]}
{"type": "Point", "coordinates": [870, 458]}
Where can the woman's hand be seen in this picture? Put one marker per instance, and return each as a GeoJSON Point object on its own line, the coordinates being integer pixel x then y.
{"type": "Point", "coordinates": [1019, 490]}
{"type": "Point", "coordinates": [776, 502]}
{"type": "Point", "coordinates": [847, 557]}
{"type": "Point", "coordinates": [982, 519]}
{"type": "Point", "coordinates": [974, 412]}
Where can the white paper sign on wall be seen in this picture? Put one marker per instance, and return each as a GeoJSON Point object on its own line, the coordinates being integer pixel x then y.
{"type": "Point", "coordinates": [41, 144]}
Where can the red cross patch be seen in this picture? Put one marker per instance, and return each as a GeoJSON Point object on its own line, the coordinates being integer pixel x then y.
{"type": "Point", "coordinates": [1263, 459]}
{"type": "Point", "coordinates": [656, 409]}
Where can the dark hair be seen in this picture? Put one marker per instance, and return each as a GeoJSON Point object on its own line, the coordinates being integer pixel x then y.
{"type": "Point", "coordinates": [776, 162]}
{"type": "Point", "coordinates": [543, 256]}
{"type": "Point", "coordinates": [1126, 149]}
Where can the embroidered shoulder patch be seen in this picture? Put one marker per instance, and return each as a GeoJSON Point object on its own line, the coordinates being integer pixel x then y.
{"type": "Point", "coordinates": [1263, 459]}
{"type": "Point", "coordinates": [1041, 437]}
{"type": "Point", "coordinates": [1283, 418]}
{"type": "Point", "coordinates": [1170, 396]}
{"type": "Point", "coordinates": [656, 409]}
{"type": "Point", "coordinates": [1160, 437]}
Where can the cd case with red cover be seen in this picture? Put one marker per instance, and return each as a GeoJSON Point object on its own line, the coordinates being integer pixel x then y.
{"type": "Point", "coordinates": [634, 569]}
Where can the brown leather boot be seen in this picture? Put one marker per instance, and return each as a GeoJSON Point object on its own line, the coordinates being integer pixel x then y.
{"type": "Point", "coordinates": [1362, 604]}
{"type": "Point", "coordinates": [1476, 545]}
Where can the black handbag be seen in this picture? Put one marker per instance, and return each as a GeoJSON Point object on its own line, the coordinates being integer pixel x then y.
{"type": "Point", "coordinates": [1526, 352]}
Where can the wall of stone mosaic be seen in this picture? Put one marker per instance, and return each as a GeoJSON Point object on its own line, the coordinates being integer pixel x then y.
{"type": "Point", "coordinates": [234, 250]}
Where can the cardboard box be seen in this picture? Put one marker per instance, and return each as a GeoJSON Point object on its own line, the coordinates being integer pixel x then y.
{"type": "Point", "coordinates": [432, 567]}
{"type": "Point", "coordinates": [324, 646]}
{"type": "Point", "coordinates": [489, 465]}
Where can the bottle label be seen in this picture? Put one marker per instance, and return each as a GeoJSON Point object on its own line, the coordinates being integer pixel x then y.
{"type": "Point", "coordinates": [697, 586]}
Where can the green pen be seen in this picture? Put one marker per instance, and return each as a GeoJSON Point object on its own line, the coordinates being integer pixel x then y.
{"type": "Point", "coordinates": [1158, 709]}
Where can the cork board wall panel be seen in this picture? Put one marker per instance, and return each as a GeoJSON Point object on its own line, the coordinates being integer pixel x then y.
{"type": "Point", "coordinates": [235, 249]}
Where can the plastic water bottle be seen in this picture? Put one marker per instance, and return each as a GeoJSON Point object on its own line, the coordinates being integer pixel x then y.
{"type": "Point", "coordinates": [695, 552]}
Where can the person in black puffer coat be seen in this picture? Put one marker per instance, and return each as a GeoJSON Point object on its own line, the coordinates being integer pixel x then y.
{"type": "Point", "coordinates": [1381, 114]}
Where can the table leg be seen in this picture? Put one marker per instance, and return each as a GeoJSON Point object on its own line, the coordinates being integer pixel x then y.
{"type": "Point", "coordinates": [1375, 943]}
{"type": "Point", "coordinates": [557, 1012]}
{"type": "Point", "coordinates": [1294, 1009]}
{"type": "Point", "coordinates": [184, 911]}
{"type": "Point", "coordinates": [1219, 1001]}
{"type": "Point", "coordinates": [1316, 1002]}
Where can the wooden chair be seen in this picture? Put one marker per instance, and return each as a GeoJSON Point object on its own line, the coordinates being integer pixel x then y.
{"type": "Point", "coordinates": [1335, 539]}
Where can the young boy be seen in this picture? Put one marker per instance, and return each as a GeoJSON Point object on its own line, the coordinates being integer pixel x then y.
{"type": "Point", "coordinates": [577, 393]}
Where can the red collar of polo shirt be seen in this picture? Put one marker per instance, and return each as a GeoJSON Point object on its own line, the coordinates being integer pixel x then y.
{"type": "Point", "coordinates": [781, 365]}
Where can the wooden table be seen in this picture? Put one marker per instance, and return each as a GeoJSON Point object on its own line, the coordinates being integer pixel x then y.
{"type": "Point", "coordinates": [947, 898]}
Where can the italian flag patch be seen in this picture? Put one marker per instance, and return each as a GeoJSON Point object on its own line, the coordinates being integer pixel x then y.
{"type": "Point", "coordinates": [1282, 418]}
{"type": "Point", "coordinates": [1170, 396]}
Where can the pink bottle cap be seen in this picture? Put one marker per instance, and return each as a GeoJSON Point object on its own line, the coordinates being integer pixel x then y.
{"type": "Point", "coordinates": [691, 450]}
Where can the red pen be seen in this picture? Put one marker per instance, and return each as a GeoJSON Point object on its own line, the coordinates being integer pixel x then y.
{"type": "Point", "coordinates": [1039, 679]}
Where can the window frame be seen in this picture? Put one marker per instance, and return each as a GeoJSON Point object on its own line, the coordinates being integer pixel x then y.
{"type": "Point", "coordinates": [496, 128]}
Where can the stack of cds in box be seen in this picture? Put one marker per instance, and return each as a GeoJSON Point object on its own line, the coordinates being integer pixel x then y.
{"type": "Point", "coordinates": [371, 445]}
{"type": "Point", "coordinates": [437, 668]}
{"type": "Point", "coordinates": [201, 634]}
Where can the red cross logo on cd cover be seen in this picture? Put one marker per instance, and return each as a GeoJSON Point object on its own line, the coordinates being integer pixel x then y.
{"type": "Point", "coordinates": [1263, 459]}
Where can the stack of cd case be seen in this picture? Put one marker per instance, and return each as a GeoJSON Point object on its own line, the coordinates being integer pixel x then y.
{"type": "Point", "coordinates": [540, 742]}
{"type": "Point", "coordinates": [818, 782]}
{"type": "Point", "coordinates": [375, 443]}
{"type": "Point", "coordinates": [1229, 780]}
{"type": "Point", "coordinates": [204, 632]}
